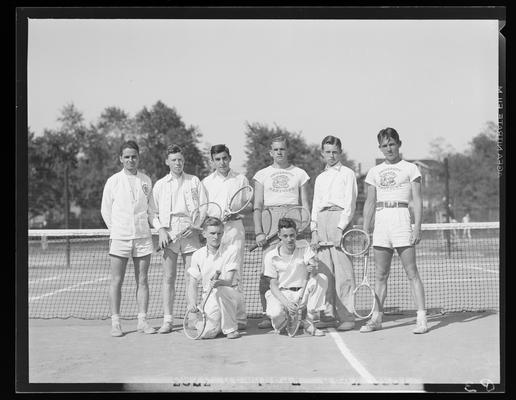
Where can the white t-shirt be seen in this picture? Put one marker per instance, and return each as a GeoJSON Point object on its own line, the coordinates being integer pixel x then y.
{"type": "Point", "coordinates": [281, 185]}
{"type": "Point", "coordinates": [289, 270]}
{"type": "Point", "coordinates": [204, 265]}
{"type": "Point", "coordinates": [392, 181]}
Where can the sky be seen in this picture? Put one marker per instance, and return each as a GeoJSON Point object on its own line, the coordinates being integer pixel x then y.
{"type": "Point", "coordinates": [347, 78]}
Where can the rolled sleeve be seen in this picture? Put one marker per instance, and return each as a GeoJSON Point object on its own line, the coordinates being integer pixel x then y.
{"type": "Point", "coordinates": [155, 204]}
{"type": "Point", "coordinates": [195, 270]}
{"type": "Point", "coordinates": [315, 207]}
{"type": "Point", "coordinates": [269, 269]}
{"type": "Point", "coordinates": [350, 199]}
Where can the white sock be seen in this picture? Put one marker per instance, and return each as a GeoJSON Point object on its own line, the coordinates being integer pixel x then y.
{"type": "Point", "coordinates": [421, 315]}
{"type": "Point", "coordinates": [167, 318]}
{"type": "Point", "coordinates": [115, 318]}
{"type": "Point", "coordinates": [142, 317]}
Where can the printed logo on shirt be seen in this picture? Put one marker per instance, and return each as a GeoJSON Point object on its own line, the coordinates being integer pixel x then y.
{"type": "Point", "coordinates": [195, 193]}
{"type": "Point", "coordinates": [388, 179]}
{"type": "Point", "coordinates": [281, 181]}
{"type": "Point", "coordinates": [146, 189]}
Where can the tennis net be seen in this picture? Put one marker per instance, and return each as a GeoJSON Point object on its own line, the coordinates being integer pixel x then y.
{"type": "Point", "coordinates": [69, 274]}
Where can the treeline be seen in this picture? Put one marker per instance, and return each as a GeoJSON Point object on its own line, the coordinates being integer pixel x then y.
{"type": "Point", "coordinates": [85, 155]}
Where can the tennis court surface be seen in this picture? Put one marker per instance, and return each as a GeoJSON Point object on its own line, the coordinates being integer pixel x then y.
{"type": "Point", "coordinates": [70, 342]}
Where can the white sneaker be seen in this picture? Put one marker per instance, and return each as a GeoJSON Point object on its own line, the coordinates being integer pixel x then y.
{"type": "Point", "coordinates": [116, 329]}
{"type": "Point", "coordinates": [166, 327]}
{"type": "Point", "coordinates": [144, 327]}
{"type": "Point", "coordinates": [371, 326]}
{"type": "Point", "coordinates": [421, 327]}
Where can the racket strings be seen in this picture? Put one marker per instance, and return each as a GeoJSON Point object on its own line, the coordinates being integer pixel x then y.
{"type": "Point", "coordinates": [240, 199]}
{"type": "Point", "coordinates": [300, 215]}
{"type": "Point", "coordinates": [364, 301]}
{"type": "Point", "coordinates": [355, 242]}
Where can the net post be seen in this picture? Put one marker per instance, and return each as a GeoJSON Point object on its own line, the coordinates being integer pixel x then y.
{"type": "Point", "coordinates": [44, 242]}
{"type": "Point", "coordinates": [68, 252]}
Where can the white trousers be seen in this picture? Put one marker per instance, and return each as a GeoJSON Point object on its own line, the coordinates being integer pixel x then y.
{"type": "Point", "coordinates": [314, 298]}
{"type": "Point", "coordinates": [225, 308]}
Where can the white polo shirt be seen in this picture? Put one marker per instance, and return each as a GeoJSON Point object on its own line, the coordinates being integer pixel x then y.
{"type": "Point", "coordinates": [203, 265]}
{"type": "Point", "coordinates": [289, 270]}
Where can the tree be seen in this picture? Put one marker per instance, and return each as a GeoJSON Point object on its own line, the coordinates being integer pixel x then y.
{"type": "Point", "coordinates": [473, 179]}
{"type": "Point", "coordinates": [301, 154]}
{"type": "Point", "coordinates": [159, 127]}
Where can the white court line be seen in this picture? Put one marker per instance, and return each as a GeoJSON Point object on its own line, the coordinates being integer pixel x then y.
{"type": "Point", "coordinates": [45, 279]}
{"type": "Point", "coordinates": [67, 289]}
{"type": "Point", "coordinates": [353, 361]}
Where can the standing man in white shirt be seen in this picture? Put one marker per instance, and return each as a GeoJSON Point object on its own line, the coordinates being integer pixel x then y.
{"type": "Point", "coordinates": [390, 185]}
{"type": "Point", "coordinates": [276, 187]}
{"type": "Point", "coordinates": [127, 210]}
{"type": "Point", "coordinates": [220, 186]}
{"type": "Point", "coordinates": [176, 196]}
{"type": "Point", "coordinates": [335, 194]}
{"type": "Point", "coordinates": [224, 304]}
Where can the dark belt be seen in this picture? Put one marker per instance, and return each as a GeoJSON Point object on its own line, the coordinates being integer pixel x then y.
{"type": "Point", "coordinates": [294, 289]}
{"type": "Point", "coordinates": [332, 208]}
{"type": "Point", "coordinates": [391, 204]}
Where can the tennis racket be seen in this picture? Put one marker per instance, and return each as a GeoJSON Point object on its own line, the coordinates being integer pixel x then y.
{"type": "Point", "coordinates": [238, 202]}
{"type": "Point", "coordinates": [198, 216]}
{"type": "Point", "coordinates": [356, 242]}
{"type": "Point", "coordinates": [300, 215]}
{"type": "Point", "coordinates": [294, 318]}
{"type": "Point", "coordinates": [194, 322]}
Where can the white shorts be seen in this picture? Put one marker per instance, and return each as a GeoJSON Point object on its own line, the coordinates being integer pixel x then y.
{"type": "Point", "coordinates": [392, 228]}
{"type": "Point", "coordinates": [182, 245]}
{"type": "Point", "coordinates": [131, 248]}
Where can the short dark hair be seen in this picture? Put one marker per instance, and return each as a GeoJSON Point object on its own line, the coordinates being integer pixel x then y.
{"type": "Point", "coordinates": [130, 144]}
{"type": "Point", "coordinates": [174, 148]}
{"type": "Point", "coordinates": [388, 133]}
{"type": "Point", "coordinates": [219, 148]}
{"type": "Point", "coordinates": [211, 221]}
{"type": "Point", "coordinates": [333, 140]}
{"type": "Point", "coordinates": [286, 223]}
{"type": "Point", "coordinates": [280, 138]}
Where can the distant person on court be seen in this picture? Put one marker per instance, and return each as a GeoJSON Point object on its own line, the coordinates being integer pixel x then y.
{"type": "Point", "coordinates": [177, 195]}
{"type": "Point", "coordinates": [390, 185]}
{"type": "Point", "coordinates": [466, 219]}
{"type": "Point", "coordinates": [127, 210]}
{"type": "Point", "coordinates": [220, 186]}
{"type": "Point", "coordinates": [335, 194]}
{"type": "Point", "coordinates": [276, 187]}
{"type": "Point", "coordinates": [287, 265]}
{"type": "Point", "coordinates": [225, 302]}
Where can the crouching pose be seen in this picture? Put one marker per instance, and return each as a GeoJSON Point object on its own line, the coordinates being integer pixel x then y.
{"type": "Point", "coordinates": [225, 307]}
{"type": "Point", "coordinates": [287, 265]}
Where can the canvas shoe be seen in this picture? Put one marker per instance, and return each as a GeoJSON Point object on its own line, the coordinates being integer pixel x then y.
{"type": "Point", "coordinates": [116, 330]}
{"type": "Point", "coordinates": [166, 327]}
{"type": "Point", "coordinates": [144, 327]}
{"type": "Point", "coordinates": [421, 327]}
{"type": "Point", "coordinates": [371, 326]}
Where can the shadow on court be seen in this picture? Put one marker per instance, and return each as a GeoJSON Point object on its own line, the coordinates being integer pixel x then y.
{"type": "Point", "coordinates": [443, 319]}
